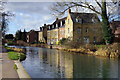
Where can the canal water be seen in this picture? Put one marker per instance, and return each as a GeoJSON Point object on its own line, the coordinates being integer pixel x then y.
{"type": "Point", "coordinates": [51, 63]}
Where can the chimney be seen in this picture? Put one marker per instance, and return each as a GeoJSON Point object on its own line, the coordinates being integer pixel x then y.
{"type": "Point", "coordinates": [69, 10]}
{"type": "Point", "coordinates": [40, 28]}
{"type": "Point", "coordinates": [56, 18]}
{"type": "Point", "coordinates": [44, 25]}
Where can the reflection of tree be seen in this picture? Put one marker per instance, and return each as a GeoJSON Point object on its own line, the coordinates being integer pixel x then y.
{"type": "Point", "coordinates": [87, 67]}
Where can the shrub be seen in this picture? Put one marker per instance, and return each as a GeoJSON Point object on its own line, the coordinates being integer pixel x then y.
{"type": "Point", "coordinates": [63, 40]}
{"type": "Point", "coordinates": [10, 43]}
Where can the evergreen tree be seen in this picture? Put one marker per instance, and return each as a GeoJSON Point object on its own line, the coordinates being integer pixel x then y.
{"type": "Point", "coordinates": [24, 36]}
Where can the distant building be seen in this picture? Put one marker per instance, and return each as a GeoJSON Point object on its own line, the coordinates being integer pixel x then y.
{"type": "Point", "coordinates": [43, 34]}
{"type": "Point", "coordinates": [54, 31]}
{"type": "Point", "coordinates": [62, 28]}
{"type": "Point", "coordinates": [49, 34]}
{"type": "Point", "coordinates": [115, 25]}
{"type": "Point", "coordinates": [32, 36]}
{"type": "Point", "coordinates": [84, 27]}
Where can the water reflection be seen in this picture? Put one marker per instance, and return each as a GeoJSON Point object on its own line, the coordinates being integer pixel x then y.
{"type": "Point", "coordinates": [50, 63]}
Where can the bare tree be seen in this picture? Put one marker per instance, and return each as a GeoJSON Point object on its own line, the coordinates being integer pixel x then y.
{"type": "Point", "coordinates": [4, 18]}
{"type": "Point", "coordinates": [103, 8]}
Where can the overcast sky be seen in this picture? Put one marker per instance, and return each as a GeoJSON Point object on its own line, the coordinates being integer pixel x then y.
{"type": "Point", "coordinates": [29, 15]}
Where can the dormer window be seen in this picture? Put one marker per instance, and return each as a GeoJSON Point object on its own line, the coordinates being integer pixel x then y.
{"type": "Point", "coordinates": [79, 20]}
{"type": "Point", "coordinates": [61, 23]}
{"type": "Point", "coordinates": [49, 27]}
{"type": "Point", "coordinates": [52, 26]}
{"type": "Point", "coordinates": [56, 25]}
{"type": "Point", "coordinates": [94, 20]}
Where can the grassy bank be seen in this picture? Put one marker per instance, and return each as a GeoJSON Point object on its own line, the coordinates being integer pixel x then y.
{"type": "Point", "coordinates": [16, 55]}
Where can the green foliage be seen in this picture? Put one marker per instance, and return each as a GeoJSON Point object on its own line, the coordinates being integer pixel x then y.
{"type": "Point", "coordinates": [107, 31]}
{"type": "Point", "coordinates": [15, 67]}
{"type": "Point", "coordinates": [100, 46]}
{"type": "Point", "coordinates": [9, 36]}
{"type": "Point", "coordinates": [62, 40]}
{"type": "Point", "coordinates": [24, 36]}
{"type": "Point", "coordinates": [10, 43]}
{"type": "Point", "coordinates": [21, 35]}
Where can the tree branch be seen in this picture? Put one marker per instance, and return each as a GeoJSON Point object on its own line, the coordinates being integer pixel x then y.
{"type": "Point", "coordinates": [98, 4]}
{"type": "Point", "coordinates": [88, 6]}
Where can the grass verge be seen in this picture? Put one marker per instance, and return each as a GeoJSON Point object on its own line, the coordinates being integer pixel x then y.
{"type": "Point", "coordinates": [15, 55]}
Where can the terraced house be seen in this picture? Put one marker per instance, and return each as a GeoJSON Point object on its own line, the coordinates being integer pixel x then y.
{"type": "Point", "coordinates": [43, 34]}
{"type": "Point", "coordinates": [56, 31]}
{"type": "Point", "coordinates": [49, 34]}
{"type": "Point", "coordinates": [84, 27]}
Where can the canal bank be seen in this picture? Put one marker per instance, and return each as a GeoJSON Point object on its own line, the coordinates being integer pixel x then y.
{"type": "Point", "coordinates": [111, 51]}
{"type": "Point", "coordinates": [22, 73]}
{"type": "Point", "coordinates": [10, 71]}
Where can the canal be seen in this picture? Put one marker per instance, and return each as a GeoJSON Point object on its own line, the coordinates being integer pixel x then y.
{"type": "Point", "coordinates": [51, 63]}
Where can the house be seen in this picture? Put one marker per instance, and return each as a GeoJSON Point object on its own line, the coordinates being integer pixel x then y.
{"type": "Point", "coordinates": [49, 34]}
{"type": "Point", "coordinates": [62, 28]}
{"type": "Point", "coordinates": [40, 35]}
{"type": "Point", "coordinates": [115, 26]}
{"type": "Point", "coordinates": [32, 36]}
{"type": "Point", "coordinates": [43, 34]}
{"type": "Point", "coordinates": [84, 27]}
{"type": "Point", "coordinates": [54, 31]}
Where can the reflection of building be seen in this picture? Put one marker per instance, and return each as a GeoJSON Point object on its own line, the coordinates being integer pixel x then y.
{"type": "Point", "coordinates": [68, 66]}
{"type": "Point", "coordinates": [32, 36]}
{"type": "Point", "coordinates": [85, 27]}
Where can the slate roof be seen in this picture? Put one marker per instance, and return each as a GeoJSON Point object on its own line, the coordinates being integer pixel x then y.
{"type": "Point", "coordinates": [86, 17]}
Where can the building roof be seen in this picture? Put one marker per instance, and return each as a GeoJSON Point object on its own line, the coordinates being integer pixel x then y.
{"type": "Point", "coordinates": [32, 31]}
{"type": "Point", "coordinates": [86, 17]}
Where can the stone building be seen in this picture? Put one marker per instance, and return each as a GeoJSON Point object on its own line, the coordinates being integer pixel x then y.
{"type": "Point", "coordinates": [43, 34]}
{"type": "Point", "coordinates": [32, 36]}
{"type": "Point", "coordinates": [84, 27]}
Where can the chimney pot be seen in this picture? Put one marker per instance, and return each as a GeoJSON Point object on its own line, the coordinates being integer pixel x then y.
{"type": "Point", "coordinates": [69, 10]}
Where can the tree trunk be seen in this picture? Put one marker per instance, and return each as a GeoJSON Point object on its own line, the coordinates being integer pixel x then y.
{"type": "Point", "coordinates": [107, 31]}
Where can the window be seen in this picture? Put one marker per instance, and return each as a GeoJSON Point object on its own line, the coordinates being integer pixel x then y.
{"type": "Point", "coordinates": [94, 30]}
{"type": "Point", "coordinates": [86, 40]}
{"type": "Point", "coordinates": [68, 30]}
{"type": "Point", "coordinates": [94, 20]}
{"type": "Point", "coordinates": [53, 26]}
{"type": "Point", "coordinates": [86, 30]}
{"type": "Point", "coordinates": [94, 39]}
{"type": "Point", "coordinates": [61, 23]}
{"type": "Point", "coordinates": [79, 30]}
{"type": "Point", "coordinates": [56, 25]}
{"type": "Point", "coordinates": [68, 21]}
{"type": "Point", "coordinates": [52, 33]}
{"type": "Point", "coordinates": [79, 20]}
{"type": "Point", "coordinates": [79, 39]}
{"type": "Point", "coordinates": [62, 32]}
{"type": "Point", "coordinates": [49, 27]}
